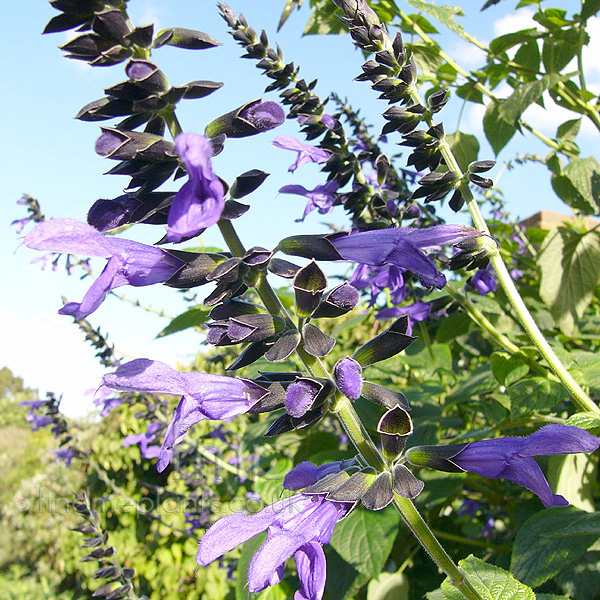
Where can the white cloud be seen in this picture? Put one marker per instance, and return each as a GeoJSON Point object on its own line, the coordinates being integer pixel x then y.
{"type": "Point", "coordinates": [520, 19]}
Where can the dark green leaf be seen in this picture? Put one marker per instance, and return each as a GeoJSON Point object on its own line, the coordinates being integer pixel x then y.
{"type": "Point", "coordinates": [365, 539]}
{"type": "Point", "coordinates": [560, 48]}
{"type": "Point", "coordinates": [568, 130]}
{"type": "Point", "coordinates": [507, 369]}
{"type": "Point", "coordinates": [550, 540]}
{"type": "Point", "coordinates": [190, 318]}
{"type": "Point", "coordinates": [465, 148]}
{"type": "Point", "coordinates": [534, 394]}
{"type": "Point", "coordinates": [528, 56]}
{"type": "Point", "coordinates": [570, 269]}
{"type": "Point", "coordinates": [504, 42]}
{"type": "Point", "coordinates": [491, 582]}
{"type": "Point", "coordinates": [343, 581]}
{"type": "Point", "coordinates": [590, 8]}
{"type": "Point", "coordinates": [497, 130]}
{"type": "Point", "coordinates": [584, 176]}
{"type": "Point", "coordinates": [444, 14]}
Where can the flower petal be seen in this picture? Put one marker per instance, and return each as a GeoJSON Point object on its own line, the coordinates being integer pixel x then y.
{"type": "Point", "coordinates": [526, 472]}
{"type": "Point", "coordinates": [145, 375]}
{"type": "Point", "coordinates": [312, 571]}
{"type": "Point", "coordinates": [70, 236]}
{"type": "Point", "coordinates": [559, 439]}
{"type": "Point", "coordinates": [96, 293]}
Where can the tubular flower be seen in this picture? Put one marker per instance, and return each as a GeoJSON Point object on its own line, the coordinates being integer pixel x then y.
{"type": "Point", "coordinates": [416, 312]}
{"type": "Point", "coordinates": [129, 262]}
{"type": "Point", "coordinates": [378, 279]}
{"type": "Point", "coordinates": [402, 247]}
{"type": "Point", "coordinates": [483, 280]}
{"type": "Point", "coordinates": [306, 152]}
{"type": "Point", "coordinates": [320, 198]}
{"type": "Point", "coordinates": [200, 201]}
{"type": "Point", "coordinates": [203, 396]}
{"type": "Point", "coordinates": [510, 458]}
{"type": "Point", "coordinates": [299, 525]}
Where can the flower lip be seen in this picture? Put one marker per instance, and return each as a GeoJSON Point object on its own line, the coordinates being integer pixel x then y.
{"type": "Point", "coordinates": [510, 458]}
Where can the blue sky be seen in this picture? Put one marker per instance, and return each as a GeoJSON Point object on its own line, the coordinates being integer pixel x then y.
{"type": "Point", "coordinates": [49, 155]}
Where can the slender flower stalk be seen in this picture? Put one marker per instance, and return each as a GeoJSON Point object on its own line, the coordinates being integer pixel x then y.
{"type": "Point", "coordinates": [580, 398]}
{"type": "Point", "coordinates": [358, 435]}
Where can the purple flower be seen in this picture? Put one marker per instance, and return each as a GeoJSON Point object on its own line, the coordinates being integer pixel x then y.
{"type": "Point", "coordinates": [199, 203]}
{"type": "Point", "coordinates": [402, 247]}
{"type": "Point", "coordinates": [321, 197]}
{"type": "Point", "coordinates": [510, 458]}
{"type": "Point", "coordinates": [483, 280]}
{"type": "Point", "coordinates": [64, 454]}
{"type": "Point", "coordinates": [33, 418]}
{"type": "Point", "coordinates": [300, 396]}
{"type": "Point", "coordinates": [348, 376]}
{"type": "Point", "coordinates": [378, 279]}
{"type": "Point", "coordinates": [263, 116]}
{"type": "Point", "coordinates": [416, 312]}
{"type": "Point", "coordinates": [204, 396]}
{"type": "Point", "coordinates": [306, 152]}
{"type": "Point", "coordinates": [306, 473]}
{"type": "Point", "coordinates": [144, 439]}
{"type": "Point", "coordinates": [106, 214]}
{"type": "Point", "coordinates": [129, 262]}
{"type": "Point", "coordinates": [299, 525]}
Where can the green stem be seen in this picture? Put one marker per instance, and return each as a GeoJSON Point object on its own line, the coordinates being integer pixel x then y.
{"type": "Point", "coordinates": [355, 430]}
{"type": "Point", "coordinates": [421, 531]}
{"type": "Point", "coordinates": [489, 328]}
{"type": "Point", "coordinates": [580, 398]}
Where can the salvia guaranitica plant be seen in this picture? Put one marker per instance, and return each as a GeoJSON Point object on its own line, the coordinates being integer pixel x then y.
{"type": "Point", "coordinates": [281, 366]}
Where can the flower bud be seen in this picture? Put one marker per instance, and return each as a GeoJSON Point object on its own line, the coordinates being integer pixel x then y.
{"type": "Point", "coordinates": [251, 118]}
{"type": "Point", "coordinates": [348, 374]}
{"type": "Point", "coordinates": [309, 284]}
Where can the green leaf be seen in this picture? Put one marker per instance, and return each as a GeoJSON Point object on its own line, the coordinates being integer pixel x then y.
{"type": "Point", "coordinates": [507, 369]}
{"type": "Point", "coordinates": [567, 131]}
{"type": "Point", "coordinates": [444, 14]}
{"type": "Point", "coordinates": [497, 130]}
{"type": "Point", "coordinates": [570, 475]}
{"type": "Point", "coordinates": [534, 394]}
{"type": "Point", "coordinates": [269, 486]}
{"type": "Point", "coordinates": [365, 539]}
{"type": "Point", "coordinates": [248, 550]}
{"type": "Point", "coordinates": [585, 420]}
{"type": "Point", "coordinates": [560, 48]}
{"type": "Point", "coordinates": [504, 42]}
{"type": "Point", "coordinates": [491, 582]}
{"type": "Point", "coordinates": [570, 270]}
{"type": "Point", "coordinates": [584, 176]}
{"type": "Point", "coordinates": [323, 20]}
{"type": "Point", "coordinates": [590, 8]}
{"type": "Point", "coordinates": [480, 381]}
{"type": "Point", "coordinates": [465, 148]}
{"type": "Point", "coordinates": [453, 326]}
{"type": "Point", "coordinates": [550, 540]}
{"type": "Point", "coordinates": [343, 581]}
{"type": "Point", "coordinates": [190, 318]}
{"type": "Point", "coordinates": [524, 96]}
{"type": "Point", "coordinates": [389, 586]}
{"type": "Point", "coordinates": [528, 56]}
